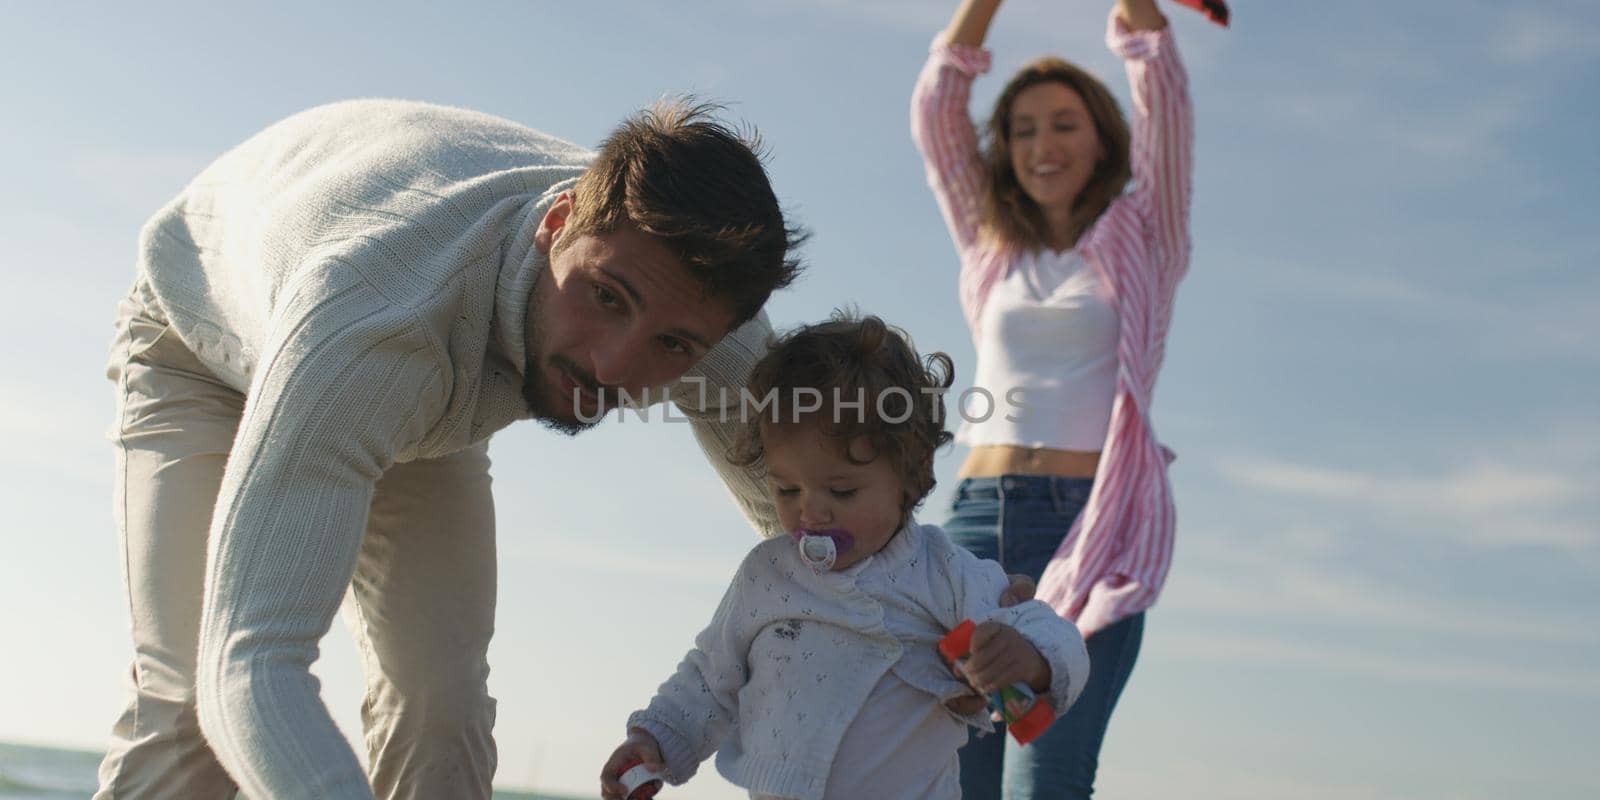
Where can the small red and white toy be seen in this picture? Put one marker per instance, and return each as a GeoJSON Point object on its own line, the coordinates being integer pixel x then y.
{"type": "Point", "coordinates": [1215, 10]}
{"type": "Point", "coordinates": [640, 781]}
{"type": "Point", "coordinates": [1026, 715]}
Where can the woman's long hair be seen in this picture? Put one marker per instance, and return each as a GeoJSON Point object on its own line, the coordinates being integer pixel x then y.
{"type": "Point", "coordinates": [1009, 214]}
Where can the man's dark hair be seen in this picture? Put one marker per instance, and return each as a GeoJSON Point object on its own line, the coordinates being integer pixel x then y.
{"type": "Point", "coordinates": [674, 172]}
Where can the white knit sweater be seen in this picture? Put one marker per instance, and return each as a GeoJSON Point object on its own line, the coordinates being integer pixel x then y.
{"type": "Point", "coordinates": [791, 658]}
{"type": "Point", "coordinates": [361, 271]}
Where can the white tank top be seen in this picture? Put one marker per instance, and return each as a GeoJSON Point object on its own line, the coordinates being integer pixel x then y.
{"type": "Point", "coordinates": [1047, 358]}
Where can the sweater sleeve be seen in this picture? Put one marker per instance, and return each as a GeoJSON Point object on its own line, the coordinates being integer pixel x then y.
{"type": "Point", "coordinates": [1059, 642]}
{"type": "Point", "coordinates": [1162, 148]}
{"type": "Point", "coordinates": [709, 395]}
{"type": "Point", "coordinates": [977, 584]}
{"type": "Point", "coordinates": [693, 710]}
{"type": "Point", "coordinates": [946, 137]}
{"type": "Point", "coordinates": [339, 391]}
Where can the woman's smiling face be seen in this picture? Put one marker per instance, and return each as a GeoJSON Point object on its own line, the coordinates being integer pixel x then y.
{"type": "Point", "coordinates": [1053, 143]}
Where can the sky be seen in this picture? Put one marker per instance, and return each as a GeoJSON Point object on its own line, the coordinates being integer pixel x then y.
{"type": "Point", "coordinates": [1381, 381]}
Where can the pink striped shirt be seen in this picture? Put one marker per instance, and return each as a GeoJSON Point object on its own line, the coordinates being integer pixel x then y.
{"type": "Point", "coordinates": [1113, 561]}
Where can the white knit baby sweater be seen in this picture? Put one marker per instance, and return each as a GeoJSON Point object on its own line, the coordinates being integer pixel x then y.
{"type": "Point", "coordinates": [362, 272]}
{"type": "Point", "coordinates": [791, 657]}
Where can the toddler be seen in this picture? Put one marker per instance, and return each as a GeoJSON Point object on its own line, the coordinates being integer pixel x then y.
{"type": "Point", "coordinates": [819, 676]}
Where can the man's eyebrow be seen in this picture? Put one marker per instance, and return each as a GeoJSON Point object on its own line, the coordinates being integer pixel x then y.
{"type": "Point", "coordinates": [685, 333]}
{"type": "Point", "coordinates": [627, 287]}
{"type": "Point", "coordinates": [638, 300]}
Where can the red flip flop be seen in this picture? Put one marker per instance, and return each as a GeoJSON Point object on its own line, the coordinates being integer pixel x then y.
{"type": "Point", "coordinates": [1215, 10]}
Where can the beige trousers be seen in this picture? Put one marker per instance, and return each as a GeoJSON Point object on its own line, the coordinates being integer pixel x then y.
{"type": "Point", "coordinates": [421, 601]}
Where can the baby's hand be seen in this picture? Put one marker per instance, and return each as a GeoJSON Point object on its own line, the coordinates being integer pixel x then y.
{"type": "Point", "coordinates": [640, 746]}
{"type": "Point", "coordinates": [1001, 657]}
{"type": "Point", "coordinates": [966, 705]}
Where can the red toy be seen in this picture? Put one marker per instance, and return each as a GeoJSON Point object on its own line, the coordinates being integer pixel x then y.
{"type": "Point", "coordinates": [640, 782]}
{"type": "Point", "coordinates": [1215, 10]}
{"type": "Point", "coordinates": [1026, 715]}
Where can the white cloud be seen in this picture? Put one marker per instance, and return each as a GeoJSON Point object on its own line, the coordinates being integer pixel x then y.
{"type": "Point", "coordinates": [1439, 96]}
{"type": "Point", "coordinates": [1480, 488]}
{"type": "Point", "coordinates": [1535, 35]}
{"type": "Point", "coordinates": [1367, 120]}
{"type": "Point", "coordinates": [1313, 579]}
{"type": "Point", "coordinates": [1568, 323]}
{"type": "Point", "coordinates": [1418, 667]}
{"type": "Point", "coordinates": [1482, 504]}
{"type": "Point", "coordinates": [1560, 322]}
{"type": "Point", "coordinates": [1286, 583]}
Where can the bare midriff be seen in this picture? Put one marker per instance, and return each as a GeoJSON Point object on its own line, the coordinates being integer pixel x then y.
{"type": "Point", "coordinates": [992, 461]}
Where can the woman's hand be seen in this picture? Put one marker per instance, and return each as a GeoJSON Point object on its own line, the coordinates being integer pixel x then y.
{"type": "Point", "coordinates": [1141, 15]}
{"type": "Point", "coordinates": [640, 746]}
{"type": "Point", "coordinates": [971, 22]}
{"type": "Point", "coordinates": [1021, 588]}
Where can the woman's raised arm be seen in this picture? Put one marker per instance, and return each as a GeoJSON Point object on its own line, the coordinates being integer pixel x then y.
{"type": "Point", "coordinates": [970, 24]}
{"type": "Point", "coordinates": [1141, 15]}
{"type": "Point", "coordinates": [940, 124]}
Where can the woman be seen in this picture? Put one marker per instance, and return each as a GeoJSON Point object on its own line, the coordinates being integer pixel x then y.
{"type": "Point", "coordinates": [1067, 281]}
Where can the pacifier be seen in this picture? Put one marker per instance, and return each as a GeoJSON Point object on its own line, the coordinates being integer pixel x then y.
{"type": "Point", "coordinates": [820, 549]}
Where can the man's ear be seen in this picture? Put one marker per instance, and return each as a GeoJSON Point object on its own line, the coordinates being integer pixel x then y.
{"type": "Point", "coordinates": [554, 222]}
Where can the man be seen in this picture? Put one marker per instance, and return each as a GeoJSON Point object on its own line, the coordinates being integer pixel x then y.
{"type": "Point", "coordinates": [326, 327]}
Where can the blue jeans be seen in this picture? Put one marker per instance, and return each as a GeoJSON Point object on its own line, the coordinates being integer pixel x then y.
{"type": "Point", "coordinates": [1019, 521]}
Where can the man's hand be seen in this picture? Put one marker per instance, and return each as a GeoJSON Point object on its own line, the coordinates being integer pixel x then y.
{"type": "Point", "coordinates": [640, 746]}
{"type": "Point", "coordinates": [1021, 588]}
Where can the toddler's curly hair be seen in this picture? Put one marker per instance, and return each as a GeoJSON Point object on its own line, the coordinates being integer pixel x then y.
{"type": "Point", "coordinates": [891, 397]}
